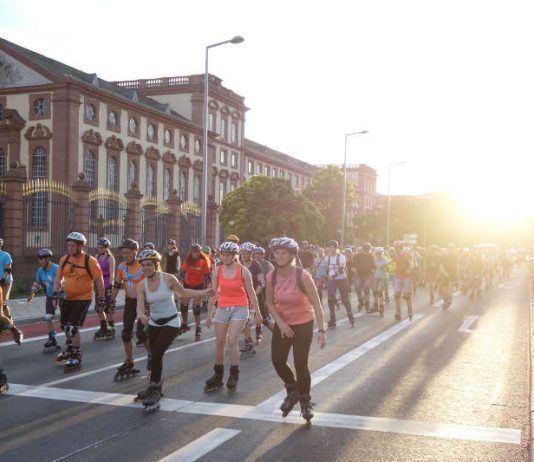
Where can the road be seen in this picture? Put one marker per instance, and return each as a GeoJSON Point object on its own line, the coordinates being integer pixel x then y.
{"type": "Point", "coordinates": [447, 386]}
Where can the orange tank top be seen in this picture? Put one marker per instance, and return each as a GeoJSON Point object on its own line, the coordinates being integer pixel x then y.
{"type": "Point", "coordinates": [232, 291]}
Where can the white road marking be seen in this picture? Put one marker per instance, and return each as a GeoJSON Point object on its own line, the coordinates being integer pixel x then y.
{"type": "Point", "coordinates": [465, 327]}
{"type": "Point", "coordinates": [271, 404]}
{"type": "Point", "coordinates": [350, 422]}
{"type": "Point", "coordinates": [201, 446]}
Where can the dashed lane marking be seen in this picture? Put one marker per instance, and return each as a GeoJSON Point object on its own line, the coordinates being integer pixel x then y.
{"type": "Point", "coordinates": [344, 421]}
{"type": "Point", "coordinates": [465, 327]}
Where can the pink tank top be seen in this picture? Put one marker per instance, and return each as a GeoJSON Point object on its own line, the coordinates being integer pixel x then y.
{"type": "Point", "coordinates": [232, 291]}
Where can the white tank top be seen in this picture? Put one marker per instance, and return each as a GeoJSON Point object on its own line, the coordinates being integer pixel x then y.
{"type": "Point", "coordinates": [161, 304]}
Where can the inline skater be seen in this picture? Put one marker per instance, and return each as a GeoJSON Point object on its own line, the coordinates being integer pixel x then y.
{"type": "Point", "coordinates": [158, 291]}
{"type": "Point", "coordinates": [233, 291]}
{"type": "Point", "coordinates": [258, 283]}
{"type": "Point", "coordinates": [364, 268]}
{"type": "Point", "coordinates": [195, 274]}
{"type": "Point", "coordinates": [258, 254]}
{"type": "Point", "coordinates": [6, 282]}
{"type": "Point", "coordinates": [447, 275]}
{"type": "Point", "coordinates": [294, 312]}
{"type": "Point", "coordinates": [106, 261]}
{"type": "Point", "coordinates": [81, 275]}
{"type": "Point", "coordinates": [44, 278]}
{"type": "Point", "coordinates": [402, 279]}
{"type": "Point", "coordinates": [337, 280]}
{"type": "Point", "coordinates": [129, 274]}
{"type": "Point", "coordinates": [380, 262]}
{"type": "Point", "coordinates": [4, 385]}
{"type": "Point", "coordinates": [319, 272]}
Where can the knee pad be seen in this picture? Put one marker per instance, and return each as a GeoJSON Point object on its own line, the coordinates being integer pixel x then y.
{"type": "Point", "coordinates": [49, 317]}
{"type": "Point", "coordinates": [70, 330]}
{"type": "Point", "coordinates": [126, 336]}
{"type": "Point", "coordinates": [196, 310]}
{"type": "Point", "coordinates": [107, 309]}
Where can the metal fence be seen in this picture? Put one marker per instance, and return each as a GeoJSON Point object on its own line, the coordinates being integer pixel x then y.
{"type": "Point", "coordinates": [2, 207]}
{"type": "Point", "coordinates": [189, 226]}
{"type": "Point", "coordinates": [155, 223]}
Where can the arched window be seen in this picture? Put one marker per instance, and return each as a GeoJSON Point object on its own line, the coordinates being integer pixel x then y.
{"type": "Point", "coordinates": [183, 186]}
{"type": "Point", "coordinates": [166, 183]}
{"type": "Point", "coordinates": [222, 190]}
{"type": "Point", "coordinates": [39, 200]}
{"type": "Point", "coordinates": [89, 168]}
{"type": "Point", "coordinates": [112, 174]}
{"type": "Point", "coordinates": [196, 188]}
{"type": "Point", "coordinates": [150, 184]}
{"type": "Point", "coordinates": [2, 162]}
{"type": "Point", "coordinates": [132, 173]}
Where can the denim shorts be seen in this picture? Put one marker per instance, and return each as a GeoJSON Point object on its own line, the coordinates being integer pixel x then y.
{"type": "Point", "coordinates": [231, 313]}
{"type": "Point", "coordinates": [402, 285]}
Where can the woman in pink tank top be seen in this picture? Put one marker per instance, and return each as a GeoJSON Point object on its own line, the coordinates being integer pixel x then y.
{"type": "Point", "coordinates": [232, 284]}
{"type": "Point", "coordinates": [293, 302]}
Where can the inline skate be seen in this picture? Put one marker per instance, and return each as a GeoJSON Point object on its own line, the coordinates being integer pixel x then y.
{"type": "Point", "coordinates": [126, 371]}
{"type": "Point", "coordinates": [215, 382]}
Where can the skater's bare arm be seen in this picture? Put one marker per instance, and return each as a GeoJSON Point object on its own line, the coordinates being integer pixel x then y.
{"type": "Point", "coordinates": [180, 292]}
{"type": "Point", "coordinates": [215, 288]}
{"type": "Point", "coordinates": [249, 289]}
{"type": "Point", "coordinates": [141, 315]}
{"type": "Point", "coordinates": [313, 296]}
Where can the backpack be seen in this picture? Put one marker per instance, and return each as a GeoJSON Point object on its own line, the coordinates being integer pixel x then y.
{"type": "Point", "coordinates": [86, 264]}
{"type": "Point", "coordinates": [300, 284]}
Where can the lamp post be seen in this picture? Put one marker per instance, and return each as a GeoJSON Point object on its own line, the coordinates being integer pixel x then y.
{"type": "Point", "coordinates": [363, 132]}
{"type": "Point", "coordinates": [388, 217]}
{"type": "Point", "coordinates": [204, 204]}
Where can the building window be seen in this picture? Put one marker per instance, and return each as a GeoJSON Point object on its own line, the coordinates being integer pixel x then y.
{"type": "Point", "coordinates": [151, 132]}
{"type": "Point", "coordinates": [40, 107]}
{"type": "Point", "coordinates": [39, 200]}
{"type": "Point", "coordinates": [234, 160]}
{"type": "Point", "coordinates": [222, 190]}
{"type": "Point", "coordinates": [290, 177]}
{"type": "Point", "coordinates": [113, 120]}
{"type": "Point", "coordinates": [259, 168]}
{"type": "Point", "coordinates": [1, 112]}
{"type": "Point", "coordinates": [133, 126]}
{"type": "Point", "coordinates": [183, 186]}
{"type": "Point", "coordinates": [196, 188]}
{"type": "Point", "coordinates": [282, 174]}
{"type": "Point", "coordinates": [275, 172]}
{"type": "Point", "coordinates": [167, 183]}
{"type": "Point", "coordinates": [150, 181]}
{"type": "Point", "coordinates": [223, 129]}
{"type": "Point", "coordinates": [267, 171]}
{"type": "Point", "coordinates": [89, 168]}
{"type": "Point", "coordinates": [250, 167]}
{"type": "Point", "coordinates": [167, 137]}
{"type": "Point", "coordinates": [90, 111]}
{"type": "Point", "coordinates": [112, 174]}
{"type": "Point", "coordinates": [2, 163]}
{"type": "Point", "coordinates": [233, 136]}
{"type": "Point", "coordinates": [223, 157]}
{"type": "Point", "coordinates": [211, 122]}
{"type": "Point", "coordinates": [296, 181]}
{"type": "Point", "coordinates": [132, 173]}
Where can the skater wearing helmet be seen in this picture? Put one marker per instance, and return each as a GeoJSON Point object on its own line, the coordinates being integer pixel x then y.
{"type": "Point", "coordinates": [129, 275]}
{"type": "Point", "coordinates": [106, 261]}
{"type": "Point", "coordinates": [158, 291]}
{"type": "Point", "coordinates": [294, 304]}
{"type": "Point", "coordinates": [6, 282]}
{"type": "Point", "coordinates": [233, 291]}
{"type": "Point", "coordinates": [44, 278]}
{"type": "Point", "coordinates": [81, 275]}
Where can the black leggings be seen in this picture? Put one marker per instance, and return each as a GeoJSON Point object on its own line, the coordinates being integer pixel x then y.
{"type": "Point", "coordinates": [160, 339]}
{"type": "Point", "coordinates": [128, 319]}
{"type": "Point", "coordinates": [301, 342]}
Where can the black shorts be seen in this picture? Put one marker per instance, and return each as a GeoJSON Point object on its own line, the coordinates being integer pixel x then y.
{"type": "Point", "coordinates": [200, 287]}
{"type": "Point", "coordinates": [49, 308]}
{"type": "Point", "coordinates": [74, 312]}
{"type": "Point", "coordinates": [129, 315]}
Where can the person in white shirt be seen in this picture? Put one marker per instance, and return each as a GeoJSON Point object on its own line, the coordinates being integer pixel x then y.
{"type": "Point", "coordinates": [337, 279]}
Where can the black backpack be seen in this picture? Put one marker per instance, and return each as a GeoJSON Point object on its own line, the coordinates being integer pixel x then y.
{"type": "Point", "coordinates": [300, 284]}
{"type": "Point", "coordinates": [86, 265]}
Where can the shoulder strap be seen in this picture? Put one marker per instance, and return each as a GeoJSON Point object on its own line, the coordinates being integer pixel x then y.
{"type": "Point", "coordinates": [87, 266]}
{"type": "Point", "coordinates": [300, 284]}
{"type": "Point", "coordinates": [273, 280]}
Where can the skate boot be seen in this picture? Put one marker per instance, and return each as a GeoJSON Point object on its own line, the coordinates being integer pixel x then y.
{"type": "Point", "coordinates": [290, 400]}
{"type": "Point", "coordinates": [74, 363]}
{"type": "Point", "coordinates": [215, 382]}
{"type": "Point", "coordinates": [110, 333]}
{"type": "Point", "coordinates": [247, 350]}
{"type": "Point", "coordinates": [18, 336]}
{"type": "Point", "coordinates": [126, 371]}
{"type": "Point", "coordinates": [63, 356]}
{"type": "Point", "coordinates": [153, 397]}
{"type": "Point", "coordinates": [4, 386]}
{"type": "Point", "coordinates": [259, 335]}
{"type": "Point", "coordinates": [185, 328]}
{"type": "Point", "coordinates": [351, 319]}
{"type": "Point", "coordinates": [381, 310]}
{"type": "Point", "coordinates": [198, 333]}
{"type": "Point", "coordinates": [331, 323]}
{"type": "Point", "coordinates": [51, 345]}
{"type": "Point", "coordinates": [306, 409]}
{"type": "Point", "coordinates": [231, 383]}
{"type": "Point", "coordinates": [101, 334]}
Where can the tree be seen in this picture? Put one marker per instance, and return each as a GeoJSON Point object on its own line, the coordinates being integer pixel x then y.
{"type": "Point", "coordinates": [326, 192]}
{"type": "Point", "coordinates": [264, 207]}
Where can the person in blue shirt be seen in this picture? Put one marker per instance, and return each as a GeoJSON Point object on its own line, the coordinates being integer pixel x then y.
{"type": "Point", "coordinates": [44, 278]}
{"type": "Point", "coordinates": [6, 281]}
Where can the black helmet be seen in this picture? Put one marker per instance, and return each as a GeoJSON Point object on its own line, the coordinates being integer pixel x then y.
{"type": "Point", "coordinates": [129, 244]}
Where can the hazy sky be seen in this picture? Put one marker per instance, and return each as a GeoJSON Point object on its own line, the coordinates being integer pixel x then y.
{"type": "Point", "coordinates": [446, 86]}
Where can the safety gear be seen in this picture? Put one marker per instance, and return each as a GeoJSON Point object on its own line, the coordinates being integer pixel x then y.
{"type": "Point", "coordinates": [233, 238]}
{"type": "Point", "coordinates": [104, 242]}
{"type": "Point", "coordinates": [332, 243]}
{"type": "Point", "coordinates": [70, 330]}
{"type": "Point", "coordinates": [206, 249]}
{"type": "Point", "coordinates": [76, 237]}
{"type": "Point", "coordinates": [149, 254]}
{"type": "Point", "coordinates": [44, 253]}
{"type": "Point", "coordinates": [129, 244]}
{"type": "Point", "coordinates": [258, 250]}
{"type": "Point", "coordinates": [171, 242]}
{"type": "Point", "coordinates": [49, 317]}
{"type": "Point", "coordinates": [196, 247]}
{"type": "Point", "coordinates": [379, 250]}
{"type": "Point", "coordinates": [229, 247]}
{"type": "Point", "coordinates": [284, 243]}
{"type": "Point", "coordinates": [247, 247]}
{"type": "Point", "coordinates": [149, 245]}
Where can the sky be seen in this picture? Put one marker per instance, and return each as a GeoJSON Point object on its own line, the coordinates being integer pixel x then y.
{"type": "Point", "coordinates": [444, 88]}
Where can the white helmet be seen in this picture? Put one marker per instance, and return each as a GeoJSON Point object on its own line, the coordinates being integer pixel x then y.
{"type": "Point", "coordinates": [379, 249]}
{"type": "Point", "coordinates": [284, 243]}
{"type": "Point", "coordinates": [76, 237]}
{"type": "Point", "coordinates": [229, 246]}
{"type": "Point", "coordinates": [149, 254]}
{"type": "Point", "coordinates": [247, 247]}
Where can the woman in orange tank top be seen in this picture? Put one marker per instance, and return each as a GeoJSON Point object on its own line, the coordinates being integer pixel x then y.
{"type": "Point", "coordinates": [232, 284]}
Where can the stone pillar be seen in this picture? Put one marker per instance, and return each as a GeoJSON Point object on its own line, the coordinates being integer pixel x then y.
{"type": "Point", "coordinates": [81, 211]}
{"type": "Point", "coordinates": [133, 216]}
{"type": "Point", "coordinates": [175, 206]}
{"type": "Point", "coordinates": [14, 231]}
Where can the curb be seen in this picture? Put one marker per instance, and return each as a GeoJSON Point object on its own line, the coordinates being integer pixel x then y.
{"type": "Point", "coordinates": [531, 369]}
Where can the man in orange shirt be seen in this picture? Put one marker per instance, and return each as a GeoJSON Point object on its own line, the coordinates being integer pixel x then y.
{"type": "Point", "coordinates": [81, 274]}
{"type": "Point", "coordinates": [129, 274]}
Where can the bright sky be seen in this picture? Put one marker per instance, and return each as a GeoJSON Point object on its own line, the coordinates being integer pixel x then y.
{"type": "Point", "coordinates": [446, 86]}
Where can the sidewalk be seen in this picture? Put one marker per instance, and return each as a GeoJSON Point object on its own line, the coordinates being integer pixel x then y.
{"type": "Point", "coordinates": [35, 311]}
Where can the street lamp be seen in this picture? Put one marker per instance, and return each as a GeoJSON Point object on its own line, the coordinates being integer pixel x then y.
{"type": "Point", "coordinates": [388, 217]}
{"type": "Point", "coordinates": [363, 132]}
{"type": "Point", "coordinates": [204, 205]}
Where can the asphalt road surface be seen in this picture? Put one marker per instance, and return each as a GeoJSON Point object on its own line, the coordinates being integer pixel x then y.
{"type": "Point", "coordinates": [448, 386]}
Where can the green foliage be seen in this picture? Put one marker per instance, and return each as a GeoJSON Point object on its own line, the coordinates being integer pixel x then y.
{"type": "Point", "coordinates": [265, 207]}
